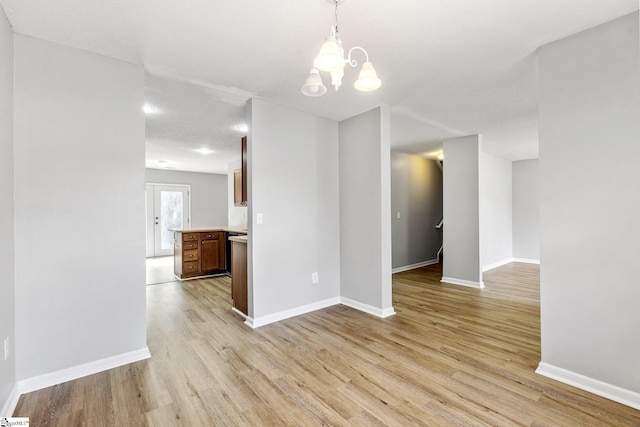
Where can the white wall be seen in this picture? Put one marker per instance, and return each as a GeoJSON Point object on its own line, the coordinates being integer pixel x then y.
{"type": "Point", "coordinates": [461, 207]}
{"type": "Point", "coordinates": [526, 210]}
{"type": "Point", "coordinates": [237, 215]}
{"type": "Point", "coordinates": [208, 194]}
{"type": "Point", "coordinates": [293, 183]}
{"type": "Point", "coordinates": [590, 205]}
{"type": "Point", "coordinates": [416, 193]}
{"type": "Point", "coordinates": [79, 207]}
{"type": "Point", "coordinates": [365, 211]}
{"type": "Point", "coordinates": [7, 282]}
{"type": "Point", "coordinates": [496, 237]}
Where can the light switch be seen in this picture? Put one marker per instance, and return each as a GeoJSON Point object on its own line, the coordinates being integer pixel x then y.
{"type": "Point", "coordinates": [398, 215]}
{"type": "Point", "coordinates": [259, 218]}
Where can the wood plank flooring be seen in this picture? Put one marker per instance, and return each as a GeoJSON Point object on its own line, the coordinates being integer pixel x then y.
{"type": "Point", "coordinates": [450, 356]}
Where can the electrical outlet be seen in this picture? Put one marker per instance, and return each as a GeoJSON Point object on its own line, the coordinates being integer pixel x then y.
{"type": "Point", "coordinates": [259, 218]}
{"type": "Point", "coordinates": [6, 348]}
{"type": "Point", "coordinates": [314, 278]}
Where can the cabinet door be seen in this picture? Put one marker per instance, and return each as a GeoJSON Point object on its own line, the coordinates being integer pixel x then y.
{"type": "Point", "coordinates": [237, 187]}
{"type": "Point", "coordinates": [210, 255]}
{"type": "Point", "coordinates": [239, 277]}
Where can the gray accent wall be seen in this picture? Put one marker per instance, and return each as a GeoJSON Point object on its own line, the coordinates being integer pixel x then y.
{"type": "Point", "coordinates": [496, 241]}
{"type": "Point", "coordinates": [590, 203]}
{"type": "Point", "coordinates": [79, 207]}
{"type": "Point", "coordinates": [293, 183]}
{"type": "Point", "coordinates": [7, 282]}
{"type": "Point", "coordinates": [461, 207]}
{"type": "Point", "coordinates": [365, 210]}
{"type": "Point", "coordinates": [416, 194]}
{"type": "Point", "coordinates": [526, 210]}
{"type": "Point", "coordinates": [209, 194]}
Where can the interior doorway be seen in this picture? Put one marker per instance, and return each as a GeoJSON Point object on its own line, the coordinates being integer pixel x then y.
{"type": "Point", "coordinates": [167, 206]}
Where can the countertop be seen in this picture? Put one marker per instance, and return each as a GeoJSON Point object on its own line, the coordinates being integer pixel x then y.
{"type": "Point", "coordinates": [239, 239]}
{"type": "Point", "coordinates": [205, 229]}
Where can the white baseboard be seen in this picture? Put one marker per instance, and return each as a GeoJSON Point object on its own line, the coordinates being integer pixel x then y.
{"type": "Point", "coordinates": [527, 261]}
{"type": "Point", "coordinates": [256, 322]}
{"type": "Point", "coordinates": [235, 310]}
{"type": "Point", "coordinates": [600, 388]}
{"type": "Point", "coordinates": [286, 314]}
{"type": "Point", "coordinates": [249, 322]}
{"type": "Point", "coordinates": [414, 266]}
{"type": "Point", "coordinates": [375, 311]}
{"type": "Point", "coordinates": [47, 380]}
{"type": "Point", "coordinates": [508, 261]}
{"type": "Point", "coordinates": [497, 264]}
{"type": "Point", "coordinates": [12, 401]}
{"type": "Point", "coordinates": [468, 283]}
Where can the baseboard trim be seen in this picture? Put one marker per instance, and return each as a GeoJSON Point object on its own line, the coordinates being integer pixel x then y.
{"type": "Point", "coordinates": [10, 404]}
{"type": "Point", "coordinates": [509, 261]}
{"type": "Point", "coordinates": [53, 378]}
{"type": "Point", "coordinates": [414, 266]}
{"type": "Point", "coordinates": [497, 264]}
{"type": "Point", "coordinates": [526, 260]}
{"type": "Point", "coordinates": [257, 322]}
{"type": "Point", "coordinates": [235, 310]}
{"type": "Point", "coordinates": [600, 388]}
{"type": "Point", "coordinates": [249, 322]}
{"type": "Point", "coordinates": [461, 282]}
{"type": "Point", "coordinates": [286, 314]}
{"type": "Point", "coordinates": [375, 311]}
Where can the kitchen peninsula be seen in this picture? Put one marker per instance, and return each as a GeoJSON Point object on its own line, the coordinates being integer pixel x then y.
{"type": "Point", "coordinates": [202, 252]}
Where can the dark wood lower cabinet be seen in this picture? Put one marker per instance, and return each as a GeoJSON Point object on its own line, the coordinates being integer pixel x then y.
{"type": "Point", "coordinates": [199, 254]}
{"type": "Point", "coordinates": [213, 253]}
{"type": "Point", "coordinates": [239, 276]}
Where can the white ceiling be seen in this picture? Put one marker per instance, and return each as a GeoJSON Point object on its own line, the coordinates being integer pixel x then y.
{"type": "Point", "coordinates": [449, 67]}
{"type": "Point", "coordinates": [191, 117]}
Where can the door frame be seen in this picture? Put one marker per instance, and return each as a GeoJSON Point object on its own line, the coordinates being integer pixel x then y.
{"type": "Point", "coordinates": [150, 213]}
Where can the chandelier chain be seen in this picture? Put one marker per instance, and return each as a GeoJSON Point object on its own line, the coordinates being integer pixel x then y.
{"type": "Point", "coordinates": [336, 12]}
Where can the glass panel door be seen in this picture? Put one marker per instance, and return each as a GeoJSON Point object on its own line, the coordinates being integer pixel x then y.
{"type": "Point", "coordinates": [171, 210]}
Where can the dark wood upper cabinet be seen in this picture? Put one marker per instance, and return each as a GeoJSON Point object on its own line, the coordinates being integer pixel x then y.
{"type": "Point", "coordinates": [244, 170]}
{"type": "Point", "coordinates": [240, 178]}
{"type": "Point", "coordinates": [237, 187]}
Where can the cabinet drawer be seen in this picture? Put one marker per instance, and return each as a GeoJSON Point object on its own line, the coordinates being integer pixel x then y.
{"type": "Point", "coordinates": [211, 235]}
{"type": "Point", "coordinates": [189, 267]}
{"type": "Point", "coordinates": [192, 244]}
{"type": "Point", "coordinates": [190, 255]}
{"type": "Point", "coordinates": [189, 236]}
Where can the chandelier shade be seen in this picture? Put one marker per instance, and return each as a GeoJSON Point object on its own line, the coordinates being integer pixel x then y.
{"type": "Point", "coordinates": [367, 79]}
{"type": "Point", "coordinates": [331, 56]}
{"type": "Point", "coordinates": [313, 86]}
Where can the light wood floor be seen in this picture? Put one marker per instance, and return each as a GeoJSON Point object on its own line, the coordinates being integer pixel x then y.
{"type": "Point", "coordinates": [160, 270]}
{"type": "Point", "coordinates": [450, 356]}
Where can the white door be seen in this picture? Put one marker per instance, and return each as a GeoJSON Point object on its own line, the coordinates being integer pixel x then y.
{"type": "Point", "coordinates": [170, 210]}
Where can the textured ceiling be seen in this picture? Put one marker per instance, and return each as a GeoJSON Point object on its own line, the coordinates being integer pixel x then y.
{"type": "Point", "coordinates": [191, 117]}
{"type": "Point", "coordinates": [449, 67]}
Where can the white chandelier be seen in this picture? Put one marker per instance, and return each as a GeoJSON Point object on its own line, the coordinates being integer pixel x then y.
{"type": "Point", "coordinates": [331, 59]}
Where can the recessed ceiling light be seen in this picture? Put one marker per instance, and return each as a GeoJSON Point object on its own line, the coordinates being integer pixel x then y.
{"type": "Point", "coordinates": [242, 128]}
{"type": "Point", "coordinates": [204, 151]}
{"type": "Point", "coordinates": [149, 109]}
